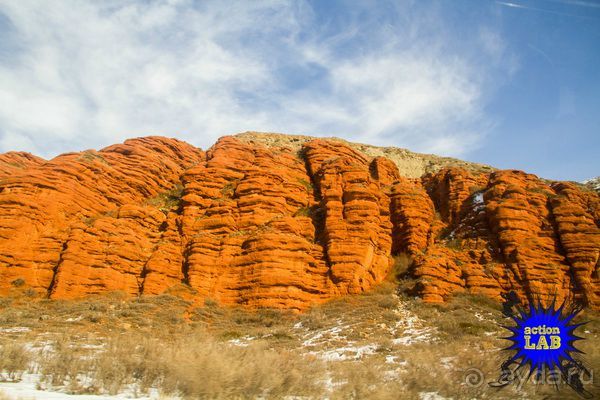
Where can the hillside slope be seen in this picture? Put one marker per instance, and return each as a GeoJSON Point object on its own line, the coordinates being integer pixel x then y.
{"type": "Point", "coordinates": [265, 220]}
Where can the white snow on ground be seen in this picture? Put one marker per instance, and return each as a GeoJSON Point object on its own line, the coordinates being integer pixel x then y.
{"type": "Point", "coordinates": [241, 342]}
{"type": "Point", "coordinates": [345, 353]}
{"type": "Point", "coordinates": [594, 183]}
{"type": "Point", "coordinates": [334, 334]}
{"type": "Point", "coordinates": [430, 396]}
{"type": "Point", "coordinates": [324, 335]}
{"type": "Point", "coordinates": [41, 346]}
{"type": "Point", "coordinates": [324, 343]}
{"type": "Point", "coordinates": [413, 336]}
{"type": "Point", "coordinates": [484, 317]}
{"type": "Point", "coordinates": [411, 327]}
{"type": "Point", "coordinates": [330, 384]}
{"type": "Point", "coordinates": [478, 203]}
{"type": "Point", "coordinates": [16, 329]}
{"type": "Point", "coordinates": [27, 389]}
{"type": "Point", "coordinates": [447, 362]}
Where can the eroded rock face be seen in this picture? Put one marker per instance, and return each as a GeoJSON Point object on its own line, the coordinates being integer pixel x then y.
{"type": "Point", "coordinates": [42, 210]}
{"type": "Point", "coordinates": [285, 227]}
{"type": "Point", "coordinates": [513, 233]}
{"type": "Point", "coordinates": [14, 162]}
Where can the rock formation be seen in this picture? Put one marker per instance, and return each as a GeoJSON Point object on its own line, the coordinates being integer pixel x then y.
{"type": "Point", "coordinates": [258, 222]}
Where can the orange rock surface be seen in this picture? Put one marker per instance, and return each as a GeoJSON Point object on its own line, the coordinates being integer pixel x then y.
{"type": "Point", "coordinates": [13, 162]}
{"type": "Point", "coordinates": [245, 224]}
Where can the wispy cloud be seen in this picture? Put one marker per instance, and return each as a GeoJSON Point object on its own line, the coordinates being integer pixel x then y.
{"type": "Point", "coordinates": [77, 74]}
{"type": "Point", "coordinates": [555, 12]}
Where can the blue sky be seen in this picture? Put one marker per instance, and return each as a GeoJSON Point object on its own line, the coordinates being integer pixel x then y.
{"type": "Point", "coordinates": [512, 84]}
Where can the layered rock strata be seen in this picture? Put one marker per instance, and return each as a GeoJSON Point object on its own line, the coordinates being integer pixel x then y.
{"type": "Point", "coordinates": [286, 227]}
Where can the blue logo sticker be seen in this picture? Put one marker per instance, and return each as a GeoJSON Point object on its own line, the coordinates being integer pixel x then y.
{"type": "Point", "coordinates": [543, 337]}
{"type": "Point", "coordinates": [543, 340]}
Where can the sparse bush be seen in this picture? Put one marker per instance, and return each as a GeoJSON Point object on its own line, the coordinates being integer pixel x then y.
{"type": "Point", "coordinates": [307, 185]}
{"type": "Point", "coordinates": [263, 317]}
{"type": "Point", "coordinates": [314, 319]}
{"type": "Point", "coordinates": [387, 302]}
{"type": "Point", "coordinates": [14, 361]}
{"type": "Point", "coordinates": [91, 156]}
{"type": "Point", "coordinates": [94, 317]}
{"type": "Point", "coordinates": [18, 282]}
{"type": "Point", "coordinates": [228, 190]}
{"type": "Point", "coordinates": [62, 365]}
{"type": "Point", "coordinates": [169, 200]}
{"type": "Point", "coordinates": [466, 300]}
{"type": "Point", "coordinates": [303, 212]}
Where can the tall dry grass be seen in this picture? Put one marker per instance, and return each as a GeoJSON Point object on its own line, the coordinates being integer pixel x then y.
{"type": "Point", "coordinates": [110, 344]}
{"type": "Point", "coordinates": [14, 361]}
{"type": "Point", "coordinates": [196, 366]}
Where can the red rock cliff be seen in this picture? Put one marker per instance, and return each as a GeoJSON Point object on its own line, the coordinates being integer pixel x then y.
{"type": "Point", "coordinates": [285, 227]}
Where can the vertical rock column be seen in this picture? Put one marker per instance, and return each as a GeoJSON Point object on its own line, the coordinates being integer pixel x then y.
{"type": "Point", "coordinates": [518, 212]}
{"type": "Point", "coordinates": [357, 227]}
{"type": "Point", "coordinates": [250, 235]}
{"type": "Point", "coordinates": [580, 239]}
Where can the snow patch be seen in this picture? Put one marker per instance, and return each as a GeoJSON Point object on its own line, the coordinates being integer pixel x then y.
{"type": "Point", "coordinates": [478, 203]}
{"type": "Point", "coordinates": [484, 317]}
{"type": "Point", "coordinates": [27, 388]}
{"type": "Point", "coordinates": [413, 328]}
{"type": "Point", "coordinates": [324, 335]}
{"type": "Point", "coordinates": [16, 329]}
{"type": "Point", "coordinates": [430, 396]}
{"type": "Point", "coordinates": [447, 362]}
{"type": "Point", "coordinates": [345, 353]}
{"type": "Point", "coordinates": [594, 183]}
{"type": "Point", "coordinates": [241, 342]}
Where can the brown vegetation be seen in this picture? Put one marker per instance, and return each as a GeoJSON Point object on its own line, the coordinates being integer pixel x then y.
{"type": "Point", "coordinates": [106, 344]}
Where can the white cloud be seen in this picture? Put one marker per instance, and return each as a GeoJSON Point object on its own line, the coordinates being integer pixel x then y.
{"type": "Point", "coordinates": [88, 74]}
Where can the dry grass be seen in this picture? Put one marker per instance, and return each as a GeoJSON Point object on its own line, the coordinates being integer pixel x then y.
{"type": "Point", "coordinates": [106, 344]}
{"type": "Point", "coordinates": [195, 366]}
{"type": "Point", "coordinates": [14, 361]}
{"type": "Point", "coordinates": [169, 200]}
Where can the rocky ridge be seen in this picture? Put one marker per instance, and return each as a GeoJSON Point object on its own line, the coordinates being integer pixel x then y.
{"type": "Point", "coordinates": [409, 163]}
{"type": "Point", "coordinates": [593, 184]}
{"type": "Point", "coordinates": [264, 220]}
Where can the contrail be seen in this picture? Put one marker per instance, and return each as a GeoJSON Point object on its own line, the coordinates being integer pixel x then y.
{"type": "Point", "coordinates": [579, 3]}
{"type": "Point", "coordinates": [540, 51]}
{"type": "Point", "coordinates": [523, 7]}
